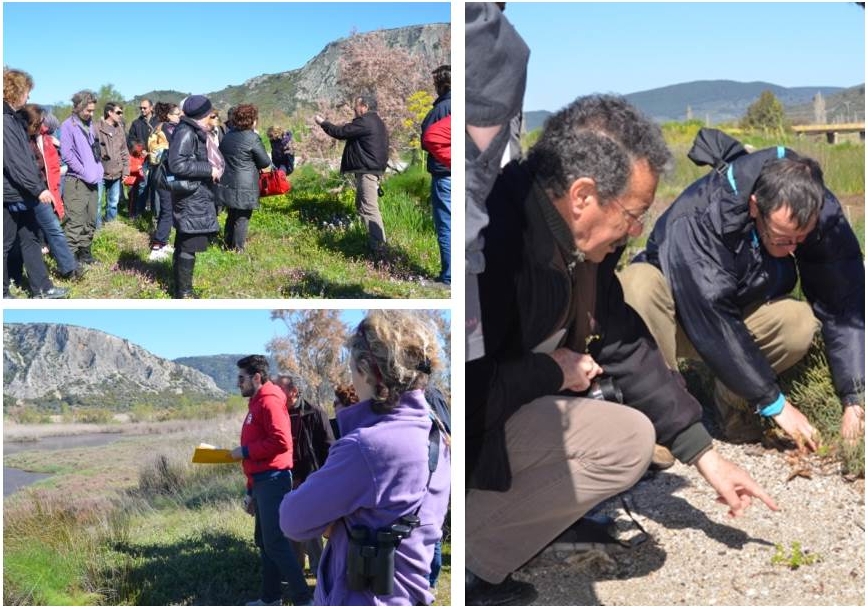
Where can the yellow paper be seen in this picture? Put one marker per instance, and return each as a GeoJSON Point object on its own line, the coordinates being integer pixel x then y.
{"type": "Point", "coordinates": [205, 453]}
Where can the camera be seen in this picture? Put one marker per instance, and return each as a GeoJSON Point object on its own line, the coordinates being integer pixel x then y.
{"type": "Point", "coordinates": [604, 388]}
{"type": "Point", "coordinates": [371, 555]}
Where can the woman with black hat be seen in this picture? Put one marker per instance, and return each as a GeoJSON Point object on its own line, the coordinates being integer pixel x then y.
{"type": "Point", "coordinates": [194, 166]}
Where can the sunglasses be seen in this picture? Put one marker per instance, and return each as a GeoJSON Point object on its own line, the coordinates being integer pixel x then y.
{"type": "Point", "coordinates": [119, 112]}
{"type": "Point", "coordinates": [214, 116]}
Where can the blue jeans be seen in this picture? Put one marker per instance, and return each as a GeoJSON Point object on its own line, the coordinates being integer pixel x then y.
{"type": "Point", "coordinates": [55, 238]}
{"type": "Point", "coordinates": [436, 563]}
{"type": "Point", "coordinates": [441, 203]}
{"type": "Point", "coordinates": [279, 562]}
{"type": "Point", "coordinates": [112, 188]}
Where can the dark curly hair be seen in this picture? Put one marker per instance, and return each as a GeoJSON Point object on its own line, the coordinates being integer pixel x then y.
{"type": "Point", "coordinates": [598, 137]}
{"type": "Point", "coordinates": [244, 116]}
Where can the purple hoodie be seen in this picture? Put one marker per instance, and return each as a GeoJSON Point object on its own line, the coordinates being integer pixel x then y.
{"type": "Point", "coordinates": [76, 150]}
{"type": "Point", "coordinates": [375, 473]}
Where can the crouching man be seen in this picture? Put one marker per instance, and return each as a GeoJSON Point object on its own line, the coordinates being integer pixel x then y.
{"type": "Point", "coordinates": [717, 273]}
{"type": "Point", "coordinates": [539, 455]}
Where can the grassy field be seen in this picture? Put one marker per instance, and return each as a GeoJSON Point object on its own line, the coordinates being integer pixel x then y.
{"type": "Point", "coordinates": [135, 523]}
{"type": "Point", "coordinates": [306, 244]}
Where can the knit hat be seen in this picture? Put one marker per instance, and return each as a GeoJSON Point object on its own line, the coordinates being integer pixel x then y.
{"type": "Point", "coordinates": [196, 106]}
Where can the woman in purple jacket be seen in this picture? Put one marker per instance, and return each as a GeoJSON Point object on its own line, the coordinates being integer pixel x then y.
{"type": "Point", "coordinates": [380, 474]}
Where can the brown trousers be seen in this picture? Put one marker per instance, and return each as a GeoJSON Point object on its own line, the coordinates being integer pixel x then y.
{"type": "Point", "coordinates": [783, 328]}
{"type": "Point", "coordinates": [566, 455]}
{"type": "Point", "coordinates": [369, 209]}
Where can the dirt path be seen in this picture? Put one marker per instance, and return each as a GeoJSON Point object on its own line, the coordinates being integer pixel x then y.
{"type": "Point", "coordinates": [697, 555]}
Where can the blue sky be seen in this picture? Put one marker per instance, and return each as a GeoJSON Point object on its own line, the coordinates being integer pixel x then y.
{"type": "Point", "coordinates": [582, 48]}
{"type": "Point", "coordinates": [175, 333]}
{"type": "Point", "coordinates": [189, 47]}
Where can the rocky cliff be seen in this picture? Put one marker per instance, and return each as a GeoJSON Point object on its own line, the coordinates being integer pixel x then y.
{"type": "Point", "coordinates": [50, 364]}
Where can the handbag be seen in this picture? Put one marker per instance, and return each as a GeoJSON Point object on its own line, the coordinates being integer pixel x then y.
{"type": "Point", "coordinates": [273, 182]}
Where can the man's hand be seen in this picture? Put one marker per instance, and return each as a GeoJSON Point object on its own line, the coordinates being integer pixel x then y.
{"type": "Point", "coordinates": [318, 119]}
{"type": "Point", "coordinates": [250, 505]}
{"type": "Point", "coordinates": [853, 423]}
{"type": "Point", "coordinates": [238, 453]}
{"type": "Point", "coordinates": [797, 426]}
{"type": "Point", "coordinates": [578, 368]}
{"type": "Point", "coordinates": [215, 174]}
{"type": "Point", "coordinates": [734, 486]}
{"type": "Point", "coordinates": [45, 197]}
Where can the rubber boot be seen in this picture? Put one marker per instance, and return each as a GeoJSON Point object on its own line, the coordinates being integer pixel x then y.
{"type": "Point", "coordinates": [183, 271]}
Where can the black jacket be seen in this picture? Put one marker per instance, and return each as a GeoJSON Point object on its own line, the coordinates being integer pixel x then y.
{"type": "Point", "coordinates": [442, 108]}
{"type": "Point", "coordinates": [707, 246]}
{"type": "Point", "coordinates": [140, 130]}
{"type": "Point", "coordinates": [367, 147]}
{"type": "Point", "coordinates": [531, 288]}
{"type": "Point", "coordinates": [22, 180]}
{"type": "Point", "coordinates": [311, 439]}
{"type": "Point", "coordinates": [245, 156]}
{"type": "Point", "coordinates": [188, 160]}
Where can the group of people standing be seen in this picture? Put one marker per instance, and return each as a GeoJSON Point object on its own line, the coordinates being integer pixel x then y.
{"type": "Point", "coordinates": [389, 466]}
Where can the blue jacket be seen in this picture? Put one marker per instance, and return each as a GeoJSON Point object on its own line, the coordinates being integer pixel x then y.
{"type": "Point", "coordinates": [706, 244]}
{"type": "Point", "coordinates": [442, 108]}
{"type": "Point", "coordinates": [376, 472]}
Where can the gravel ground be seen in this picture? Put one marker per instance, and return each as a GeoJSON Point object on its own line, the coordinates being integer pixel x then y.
{"type": "Point", "coordinates": [698, 555]}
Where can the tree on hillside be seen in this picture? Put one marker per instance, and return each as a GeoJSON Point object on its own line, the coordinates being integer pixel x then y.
{"type": "Point", "coordinates": [311, 351]}
{"type": "Point", "coordinates": [765, 114]}
{"type": "Point", "coordinates": [369, 65]}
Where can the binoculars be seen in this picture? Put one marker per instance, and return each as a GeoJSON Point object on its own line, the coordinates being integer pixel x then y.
{"type": "Point", "coordinates": [604, 388]}
{"type": "Point", "coordinates": [371, 555]}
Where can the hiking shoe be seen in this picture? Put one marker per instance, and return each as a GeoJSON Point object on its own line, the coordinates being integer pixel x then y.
{"type": "Point", "coordinates": [737, 422]}
{"type": "Point", "coordinates": [75, 274]}
{"type": "Point", "coordinates": [54, 292]}
{"type": "Point", "coordinates": [661, 458]}
{"type": "Point", "coordinates": [261, 603]}
{"type": "Point", "coordinates": [478, 592]}
{"type": "Point", "coordinates": [159, 253]}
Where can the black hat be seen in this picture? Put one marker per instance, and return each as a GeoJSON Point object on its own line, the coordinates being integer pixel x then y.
{"type": "Point", "coordinates": [196, 106]}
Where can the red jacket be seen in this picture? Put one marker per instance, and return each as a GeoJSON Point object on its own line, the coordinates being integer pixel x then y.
{"type": "Point", "coordinates": [52, 168]}
{"type": "Point", "coordinates": [437, 140]}
{"type": "Point", "coordinates": [265, 434]}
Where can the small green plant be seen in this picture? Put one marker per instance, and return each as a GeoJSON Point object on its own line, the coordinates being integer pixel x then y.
{"type": "Point", "coordinates": [797, 557]}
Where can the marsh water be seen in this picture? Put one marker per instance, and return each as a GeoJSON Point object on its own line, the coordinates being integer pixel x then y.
{"type": "Point", "coordinates": [15, 479]}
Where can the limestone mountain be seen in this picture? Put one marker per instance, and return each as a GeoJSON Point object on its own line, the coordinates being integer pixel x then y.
{"type": "Point", "coordinates": [52, 365]}
{"type": "Point", "coordinates": [287, 91]}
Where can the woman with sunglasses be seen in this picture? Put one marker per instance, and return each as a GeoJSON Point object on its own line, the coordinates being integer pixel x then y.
{"type": "Point", "coordinates": [383, 491]}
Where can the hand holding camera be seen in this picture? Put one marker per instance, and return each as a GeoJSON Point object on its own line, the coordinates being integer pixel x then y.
{"type": "Point", "coordinates": [578, 369]}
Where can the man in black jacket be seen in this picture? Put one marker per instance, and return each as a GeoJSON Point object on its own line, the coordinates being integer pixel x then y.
{"type": "Point", "coordinates": [539, 454]}
{"type": "Point", "coordinates": [140, 130]}
{"type": "Point", "coordinates": [366, 154]}
{"type": "Point", "coordinates": [311, 439]}
{"type": "Point", "coordinates": [718, 270]}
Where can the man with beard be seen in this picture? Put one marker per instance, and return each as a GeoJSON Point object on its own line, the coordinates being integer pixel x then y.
{"type": "Point", "coordinates": [266, 451]}
{"type": "Point", "coordinates": [79, 149]}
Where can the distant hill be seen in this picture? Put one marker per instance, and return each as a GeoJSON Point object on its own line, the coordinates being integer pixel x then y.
{"type": "Point", "coordinates": [317, 79]}
{"type": "Point", "coordinates": [51, 365]}
{"type": "Point", "coordinates": [714, 100]}
{"type": "Point", "coordinates": [221, 368]}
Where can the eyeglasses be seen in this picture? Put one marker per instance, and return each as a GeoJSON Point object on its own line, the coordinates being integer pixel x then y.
{"type": "Point", "coordinates": [775, 240]}
{"type": "Point", "coordinates": [639, 220]}
{"type": "Point", "coordinates": [243, 377]}
{"type": "Point", "coordinates": [214, 116]}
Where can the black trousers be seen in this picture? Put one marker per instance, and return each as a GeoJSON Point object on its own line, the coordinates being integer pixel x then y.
{"type": "Point", "coordinates": [20, 230]}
